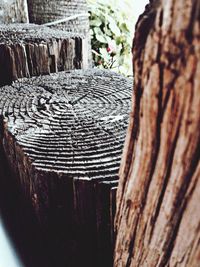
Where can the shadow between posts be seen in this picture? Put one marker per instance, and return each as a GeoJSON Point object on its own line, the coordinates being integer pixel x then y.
{"type": "Point", "coordinates": [30, 241]}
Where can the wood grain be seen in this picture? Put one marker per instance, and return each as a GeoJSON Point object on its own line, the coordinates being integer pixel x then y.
{"type": "Point", "coordinates": [13, 11]}
{"type": "Point", "coordinates": [157, 220]}
{"type": "Point", "coordinates": [63, 136]}
{"type": "Point", "coordinates": [28, 50]}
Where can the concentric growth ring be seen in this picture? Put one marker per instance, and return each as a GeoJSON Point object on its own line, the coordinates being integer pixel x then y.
{"type": "Point", "coordinates": [72, 123]}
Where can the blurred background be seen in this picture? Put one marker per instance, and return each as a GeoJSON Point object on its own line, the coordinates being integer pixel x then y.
{"type": "Point", "coordinates": [112, 25]}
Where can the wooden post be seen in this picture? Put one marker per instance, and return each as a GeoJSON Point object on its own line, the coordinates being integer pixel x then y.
{"type": "Point", "coordinates": [32, 50]}
{"type": "Point", "coordinates": [63, 137]}
{"type": "Point", "coordinates": [13, 11]}
{"type": "Point", "coordinates": [42, 12]}
{"type": "Point", "coordinates": [158, 214]}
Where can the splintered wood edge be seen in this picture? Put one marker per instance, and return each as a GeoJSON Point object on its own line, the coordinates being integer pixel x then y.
{"type": "Point", "coordinates": [33, 50]}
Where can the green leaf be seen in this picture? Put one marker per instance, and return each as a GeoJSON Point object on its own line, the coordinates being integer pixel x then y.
{"type": "Point", "coordinates": [100, 35]}
{"type": "Point", "coordinates": [95, 22]}
{"type": "Point", "coordinates": [104, 54]}
{"type": "Point", "coordinates": [113, 26]}
{"type": "Point", "coordinates": [98, 31]}
{"type": "Point", "coordinates": [118, 40]}
{"type": "Point", "coordinates": [91, 33]}
{"type": "Point", "coordinates": [107, 31]}
{"type": "Point", "coordinates": [101, 39]}
{"type": "Point", "coordinates": [108, 39]}
{"type": "Point", "coordinates": [124, 27]}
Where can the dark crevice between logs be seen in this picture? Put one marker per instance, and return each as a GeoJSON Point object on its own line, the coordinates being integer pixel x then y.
{"type": "Point", "coordinates": [95, 205]}
{"type": "Point", "coordinates": [5, 67]}
{"type": "Point", "coordinates": [19, 218]}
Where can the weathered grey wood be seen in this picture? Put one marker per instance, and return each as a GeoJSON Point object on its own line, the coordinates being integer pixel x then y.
{"type": "Point", "coordinates": [42, 12]}
{"type": "Point", "coordinates": [158, 214]}
{"type": "Point", "coordinates": [30, 50]}
{"type": "Point", "coordinates": [63, 136]}
{"type": "Point", "coordinates": [12, 11]}
{"type": "Point", "coordinates": [29, 241]}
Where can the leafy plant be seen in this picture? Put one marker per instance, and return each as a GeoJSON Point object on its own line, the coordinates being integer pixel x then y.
{"type": "Point", "coordinates": [110, 36]}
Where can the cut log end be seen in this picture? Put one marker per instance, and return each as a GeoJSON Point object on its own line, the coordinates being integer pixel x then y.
{"type": "Point", "coordinates": [63, 136]}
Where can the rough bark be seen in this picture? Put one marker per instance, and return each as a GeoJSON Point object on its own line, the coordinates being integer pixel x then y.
{"type": "Point", "coordinates": [13, 11]}
{"type": "Point", "coordinates": [158, 214]}
{"type": "Point", "coordinates": [30, 50]}
{"type": "Point", "coordinates": [63, 137]}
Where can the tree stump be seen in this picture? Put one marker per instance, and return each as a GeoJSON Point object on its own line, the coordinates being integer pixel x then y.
{"type": "Point", "coordinates": [13, 11]}
{"type": "Point", "coordinates": [63, 136]}
{"type": "Point", "coordinates": [158, 214]}
{"type": "Point", "coordinates": [30, 50]}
